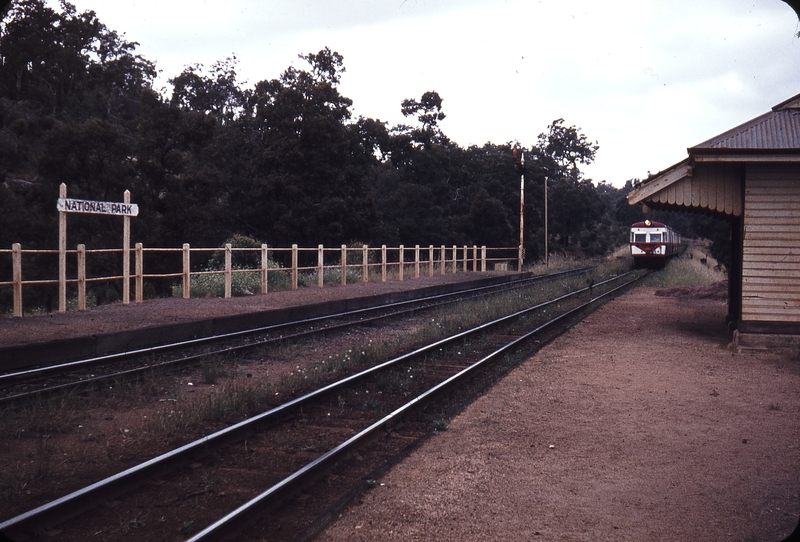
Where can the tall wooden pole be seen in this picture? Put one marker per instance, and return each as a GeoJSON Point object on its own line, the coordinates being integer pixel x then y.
{"type": "Point", "coordinates": [546, 251]}
{"type": "Point", "coordinates": [62, 253]}
{"type": "Point", "coordinates": [521, 213]}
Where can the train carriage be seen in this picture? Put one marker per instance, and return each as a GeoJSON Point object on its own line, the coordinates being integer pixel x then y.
{"type": "Point", "coordinates": [653, 243]}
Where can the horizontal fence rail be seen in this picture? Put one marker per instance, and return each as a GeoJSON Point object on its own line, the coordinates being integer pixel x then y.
{"type": "Point", "coordinates": [303, 265]}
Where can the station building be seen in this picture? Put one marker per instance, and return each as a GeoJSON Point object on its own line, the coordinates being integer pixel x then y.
{"type": "Point", "coordinates": [750, 176]}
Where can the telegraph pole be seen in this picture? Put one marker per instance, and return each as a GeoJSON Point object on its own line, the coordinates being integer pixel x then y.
{"type": "Point", "coordinates": [521, 212]}
{"type": "Point", "coordinates": [546, 252]}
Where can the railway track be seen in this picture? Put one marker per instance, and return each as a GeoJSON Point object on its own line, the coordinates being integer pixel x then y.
{"type": "Point", "coordinates": [22, 385]}
{"type": "Point", "coordinates": [307, 452]}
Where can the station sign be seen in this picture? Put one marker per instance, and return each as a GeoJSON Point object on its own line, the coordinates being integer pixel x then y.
{"type": "Point", "coordinates": [69, 205]}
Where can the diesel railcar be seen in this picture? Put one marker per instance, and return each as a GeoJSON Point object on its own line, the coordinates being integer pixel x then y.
{"type": "Point", "coordinates": [653, 243]}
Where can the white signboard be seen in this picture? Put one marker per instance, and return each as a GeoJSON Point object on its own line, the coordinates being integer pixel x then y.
{"type": "Point", "coordinates": [97, 207]}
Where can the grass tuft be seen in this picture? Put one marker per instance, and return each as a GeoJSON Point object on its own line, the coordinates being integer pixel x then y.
{"type": "Point", "coordinates": [439, 425]}
{"type": "Point", "coordinates": [686, 272]}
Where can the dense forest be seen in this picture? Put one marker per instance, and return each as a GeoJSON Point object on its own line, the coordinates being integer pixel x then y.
{"type": "Point", "coordinates": [281, 162]}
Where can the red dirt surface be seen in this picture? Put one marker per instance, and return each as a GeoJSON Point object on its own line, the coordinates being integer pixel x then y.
{"type": "Point", "coordinates": [638, 424]}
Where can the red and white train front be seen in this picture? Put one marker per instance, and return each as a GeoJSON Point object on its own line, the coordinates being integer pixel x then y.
{"type": "Point", "coordinates": [652, 243]}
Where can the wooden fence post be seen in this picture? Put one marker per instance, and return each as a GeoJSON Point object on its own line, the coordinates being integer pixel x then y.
{"type": "Point", "coordinates": [344, 265]}
{"type": "Point", "coordinates": [365, 264]}
{"type": "Point", "coordinates": [62, 253]}
{"type": "Point", "coordinates": [383, 263]}
{"type": "Point", "coordinates": [187, 276]}
{"type": "Point", "coordinates": [16, 266]}
{"type": "Point", "coordinates": [320, 266]}
{"type": "Point", "coordinates": [264, 269]}
{"type": "Point", "coordinates": [401, 262]}
{"type": "Point", "coordinates": [139, 270]}
{"type": "Point", "coordinates": [81, 277]}
{"type": "Point", "coordinates": [294, 267]}
{"type": "Point", "coordinates": [228, 267]}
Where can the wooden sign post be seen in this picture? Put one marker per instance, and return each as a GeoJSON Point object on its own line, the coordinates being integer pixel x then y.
{"type": "Point", "coordinates": [62, 253]}
{"type": "Point", "coordinates": [126, 210]}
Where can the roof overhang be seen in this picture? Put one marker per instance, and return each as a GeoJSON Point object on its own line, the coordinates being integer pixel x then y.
{"type": "Point", "coordinates": [661, 180]}
{"type": "Point", "coordinates": [773, 137]}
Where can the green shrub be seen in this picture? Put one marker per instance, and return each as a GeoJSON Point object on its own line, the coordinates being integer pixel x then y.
{"type": "Point", "coordinates": [334, 276]}
{"type": "Point", "coordinates": [242, 283]}
{"type": "Point", "coordinates": [250, 259]}
{"type": "Point", "coordinates": [355, 254]}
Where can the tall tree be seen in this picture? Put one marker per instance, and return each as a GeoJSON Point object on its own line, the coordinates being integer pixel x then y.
{"type": "Point", "coordinates": [428, 110]}
{"type": "Point", "coordinates": [563, 148]}
{"type": "Point", "coordinates": [58, 58]}
{"type": "Point", "coordinates": [217, 94]}
{"type": "Point", "coordinates": [283, 162]}
{"type": "Point", "coordinates": [307, 176]}
{"type": "Point", "coordinates": [574, 206]}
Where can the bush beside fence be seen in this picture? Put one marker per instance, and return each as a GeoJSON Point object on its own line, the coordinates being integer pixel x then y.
{"type": "Point", "coordinates": [305, 267]}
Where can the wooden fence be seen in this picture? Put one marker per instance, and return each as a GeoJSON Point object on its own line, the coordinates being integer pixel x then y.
{"type": "Point", "coordinates": [399, 262]}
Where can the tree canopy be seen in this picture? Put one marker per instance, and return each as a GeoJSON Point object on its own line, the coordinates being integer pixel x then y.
{"type": "Point", "coordinates": [283, 161]}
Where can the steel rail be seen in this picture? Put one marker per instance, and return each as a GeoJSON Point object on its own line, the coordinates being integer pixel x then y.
{"type": "Point", "coordinates": [93, 380]}
{"type": "Point", "coordinates": [225, 526]}
{"type": "Point", "coordinates": [79, 500]}
{"type": "Point", "coordinates": [62, 367]}
{"type": "Point", "coordinates": [223, 351]}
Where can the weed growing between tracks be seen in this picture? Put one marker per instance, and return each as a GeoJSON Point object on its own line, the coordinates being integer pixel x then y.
{"type": "Point", "coordinates": [233, 400]}
{"type": "Point", "coordinates": [28, 445]}
{"type": "Point", "coordinates": [147, 416]}
{"type": "Point", "coordinates": [236, 397]}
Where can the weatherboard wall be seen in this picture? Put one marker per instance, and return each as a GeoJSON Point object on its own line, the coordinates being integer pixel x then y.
{"type": "Point", "coordinates": [771, 244]}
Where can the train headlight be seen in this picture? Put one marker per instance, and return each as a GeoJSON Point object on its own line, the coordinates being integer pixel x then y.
{"type": "Point", "coordinates": [647, 223]}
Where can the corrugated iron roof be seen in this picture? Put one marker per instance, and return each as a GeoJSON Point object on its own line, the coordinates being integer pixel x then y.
{"type": "Point", "coordinates": [778, 129]}
{"type": "Point", "coordinates": [771, 137]}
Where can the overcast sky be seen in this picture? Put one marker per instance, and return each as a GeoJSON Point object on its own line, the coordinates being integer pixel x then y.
{"type": "Point", "coordinates": [645, 79]}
